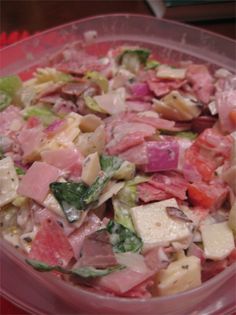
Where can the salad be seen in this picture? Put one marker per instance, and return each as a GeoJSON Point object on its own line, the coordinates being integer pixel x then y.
{"type": "Point", "coordinates": [118, 172]}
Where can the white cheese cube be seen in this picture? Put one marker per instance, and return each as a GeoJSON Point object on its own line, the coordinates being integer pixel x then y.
{"type": "Point", "coordinates": [166, 72]}
{"type": "Point", "coordinates": [155, 227]}
{"type": "Point", "coordinates": [8, 181]}
{"type": "Point", "coordinates": [181, 275]}
{"type": "Point", "coordinates": [218, 240]}
{"type": "Point", "coordinates": [91, 168]}
{"type": "Point", "coordinates": [232, 218]}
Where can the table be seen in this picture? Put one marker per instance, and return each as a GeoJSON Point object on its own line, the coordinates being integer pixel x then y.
{"type": "Point", "coordinates": [38, 15]}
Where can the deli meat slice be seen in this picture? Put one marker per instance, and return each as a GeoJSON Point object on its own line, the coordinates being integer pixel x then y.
{"type": "Point", "coordinates": [201, 80]}
{"type": "Point", "coordinates": [97, 250]}
{"type": "Point", "coordinates": [50, 245]}
{"type": "Point", "coordinates": [76, 239]}
{"type": "Point", "coordinates": [35, 183]}
{"type": "Point", "coordinates": [162, 186]}
{"type": "Point", "coordinates": [120, 282]}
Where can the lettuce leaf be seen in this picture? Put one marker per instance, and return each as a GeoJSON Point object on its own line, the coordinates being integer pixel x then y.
{"type": "Point", "coordinates": [122, 239]}
{"type": "Point", "coordinates": [83, 272]}
{"type": "Point", "coordinates": [98, 79]}
{"type": "Point", "coordinates": [73, 197]}
{"type": "Point", "coordinates": [42, 112]}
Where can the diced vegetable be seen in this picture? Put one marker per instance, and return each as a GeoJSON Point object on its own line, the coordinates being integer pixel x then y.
{"type": "Point", "coordinates": [122, 239]}
{"type": "Point", "coordinates": [77, 196]}
{"type": "Point", "coordinates": [10, 84]}
{"type": "Point", "coordinates": [166, 72]}
{"type": "Point", "coordinates": [132, 58]}
{"type": "Point", "coordinates": [45, 115]}
{"type": "Point", "coordinates": [93, 105]}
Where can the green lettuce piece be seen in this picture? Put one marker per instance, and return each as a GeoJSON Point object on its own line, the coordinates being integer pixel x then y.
{"type": "Point", "coordinates": [8, 87]}
{"type": "Point", "coordinates": [110, 164]}
{"type": "Point", "coordinates": [5, 100]}
{"type": "Point", "coordinates": [83, 272]}
{"type": "Point", "coordinates": [98, 79]}
{"type": "Point", "coordinates": [142, 54]}
{"type": "Point", "coordinates": [126, 199]}
{"type": "Point", "coordinates": [70, 197]}
{"type": "Point", "coordinates": [42, 112]}
{"type": "Point", "coordinates": [122, 214]}
{"type": "Point", "coordinates": [93, 105]}
{"type": "Point", "coordinates": [74, 197]}
{"type": "Point", "coordinates": [10, 84]}
{"type": "Point", "coordinates": [151, 64]}
{"type": "Point", "coordinates": [122, 239]}
{"type": "Point", "coordinates": [187, 134]}
{"type": "Point", "coordinates": [19, 171]}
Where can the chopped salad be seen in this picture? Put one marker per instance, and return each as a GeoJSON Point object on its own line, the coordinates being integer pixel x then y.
{"type": "Point", "coordinates": [118, 172]}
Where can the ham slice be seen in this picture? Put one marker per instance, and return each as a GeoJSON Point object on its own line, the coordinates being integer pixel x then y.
{"type": "Point", "coordinates": [10, 120]}
{"type": "Point", "coordinates": [138, 106]}
{"type": "Point", "coordinates": [201, 80]}
{"type": "Point", "coordinates": [97, 251]}
{"type": "Point", "coordinates": [76, 239]}
{"type": "Point", "coordinates": [30, 140]}
{"type": "Point", "coordinates": [35, 183]}
{"type": "Point", "coordinates": [161, 87]}
{"type": "Point", "coordinates": [64, 159]}
{"type": "Point", "coordinates": [120, 282]}
{"type": "Point", "coordinates": [163, 186]}
{"type": "Point", "coordinates": [51, 246]}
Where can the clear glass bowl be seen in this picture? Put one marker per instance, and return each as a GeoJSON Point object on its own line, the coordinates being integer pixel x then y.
{"type": "Point", "coordinates": [41, 293]}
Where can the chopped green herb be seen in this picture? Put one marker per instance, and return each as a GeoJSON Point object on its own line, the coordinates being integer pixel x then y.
{"type": "Point", "coordinates": [42, 112]}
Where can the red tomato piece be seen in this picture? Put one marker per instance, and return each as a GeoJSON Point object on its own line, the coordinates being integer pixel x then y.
{"type": "Point", "coordinates": [51, 245]}
{"type": "Point", "coordinates": [210, 195]}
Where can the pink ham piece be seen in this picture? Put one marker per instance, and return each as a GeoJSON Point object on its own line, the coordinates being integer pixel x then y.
{"type": "Point", "coordinates": [163, 186]}
{"type": "Point", "coordinates": [138, 106]}
{"type": "Point", "coordinates": [35, 183]}
{"type": "Point", "coordinates": [11, 115]}
{"type": "Point", "coordinates": [127, 135]}
{"type": "Point", "coordinates": [30, 140]}
{"type": "Point", "coordinates": [225, 102]}
{"type": "Point", "coordinates": [136, 155]}
{"type": "Point", "coordinates": [64, 159]}
{"type": "Point", "coordinates": [120, 282]}
{"type": "Point", "coordinates": [202, 82]}
{"type": "Point", "coordinates": [161, 87]}
{"type": "Point", "coordinates": [51, 246]}
{"type": "Point", "coordinates": [76, 239]}
{"type": "Point", "coordinates": [97, 251]}
{"type": "Point", "coordinates": [139, 90]}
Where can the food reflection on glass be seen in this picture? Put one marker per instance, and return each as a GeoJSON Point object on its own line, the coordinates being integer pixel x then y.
{"type": "Point", "coordinates": [118, 171]}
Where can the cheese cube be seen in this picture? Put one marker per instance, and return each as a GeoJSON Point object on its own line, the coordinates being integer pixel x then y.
{"type": "Point", "coordinates": [181, 275]}
{"type": "Point", "coordinates": [91, 168]}
{"type": "Point", "coordinates": [218, 240]}
{"type": "Point", "coordinates": [155, 227]}
{"type": "Point", "coordinates": [8, 181]}
{"type": "Point", "coordinates": [232, 218]}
